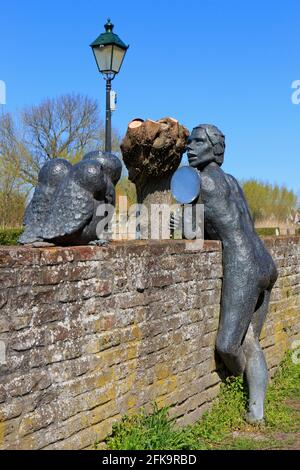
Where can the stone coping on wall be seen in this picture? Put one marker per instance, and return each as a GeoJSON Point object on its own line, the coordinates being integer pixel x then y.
{"type": "Point", "coordinates": [22, 255]}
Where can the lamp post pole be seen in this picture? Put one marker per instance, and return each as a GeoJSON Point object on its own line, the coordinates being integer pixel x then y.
{"type": "Point", "coordinates": [108, 117]}
{"type": "Point", "coordinates": [109, 51]}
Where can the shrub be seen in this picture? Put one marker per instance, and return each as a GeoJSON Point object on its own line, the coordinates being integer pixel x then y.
{"type": "Point", "coordinates": [9, 236]}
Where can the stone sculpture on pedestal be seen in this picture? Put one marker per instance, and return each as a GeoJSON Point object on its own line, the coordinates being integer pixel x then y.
{"type": "Point", "coordinates": [63, 209]}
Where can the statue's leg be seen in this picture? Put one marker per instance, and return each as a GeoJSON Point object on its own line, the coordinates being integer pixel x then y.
{"type": "Point", "coordinates": [256, 368]}
{"type": "Point", "coordinates": [239, 299]}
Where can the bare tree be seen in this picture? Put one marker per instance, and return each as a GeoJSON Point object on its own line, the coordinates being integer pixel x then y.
{"type": "Point", "coordinates": [60, 127]}
{"type": "Point", "coordinates": [64, 127]}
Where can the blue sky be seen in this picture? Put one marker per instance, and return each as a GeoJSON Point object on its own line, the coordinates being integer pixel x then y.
{"type": "Point", "coordinates": [226, 62]}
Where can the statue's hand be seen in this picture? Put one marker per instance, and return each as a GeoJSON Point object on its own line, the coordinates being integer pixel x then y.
{"type": "Point", "coordinates": [99, 242]}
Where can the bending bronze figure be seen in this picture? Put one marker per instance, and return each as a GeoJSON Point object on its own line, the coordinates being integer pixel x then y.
{"type": "Point", "coordinates": [249, 270]}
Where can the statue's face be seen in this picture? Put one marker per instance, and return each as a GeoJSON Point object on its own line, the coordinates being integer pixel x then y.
{"type": "Point", "coordinates": [199, 148]}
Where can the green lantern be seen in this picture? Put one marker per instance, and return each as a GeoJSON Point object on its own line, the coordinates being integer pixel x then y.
{"type": "Point", "coordinates": [109, 51]}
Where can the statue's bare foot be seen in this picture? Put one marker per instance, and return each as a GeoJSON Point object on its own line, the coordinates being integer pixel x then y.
{"type": "Point", "coordinates": [99, 243]}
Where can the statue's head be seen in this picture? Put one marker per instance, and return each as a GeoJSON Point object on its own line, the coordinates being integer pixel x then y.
{"type": "Point", "coordinates": [206, 144]}
{"type": "Point", "coordinates": [90, 176]}
{"type": "Point", "coordinates": [111, 164]}
{"type": "Point", "coordinates": [54, 171]}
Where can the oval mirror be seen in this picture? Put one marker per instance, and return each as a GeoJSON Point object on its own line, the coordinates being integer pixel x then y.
{"type": "Point", "coordinates": [186, 184]}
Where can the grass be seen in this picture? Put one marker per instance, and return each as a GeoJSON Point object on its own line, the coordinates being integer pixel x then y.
{"type": "Point", "coordinates": [286, 385]}
{"type": "Point", "coordinates": [9, 236]}
{"type": "Point", "coordinates": [223, 427]}
{"type": "Point", "coordinates": [268, 231]}
{"type": "Point", "coordinates": [152, 432]}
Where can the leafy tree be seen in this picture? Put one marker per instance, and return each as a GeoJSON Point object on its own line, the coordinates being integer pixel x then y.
{"type": "Point", "coordinates": [267, 201]}
{"type": "Point", "coordinates": [12, 193]}
{"type": "Point", "coordinates": [126, 188]}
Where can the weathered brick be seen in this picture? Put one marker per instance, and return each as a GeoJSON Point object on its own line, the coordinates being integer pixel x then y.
{"type": "Point", "coordinates": [39, 419]}
{"type": "Point", "coordinates": [3, 298]}
{"type": "Point", "coordinates": [10, 410]}
{"type": "Point", "coordinates": [22, 385]}
{"type": "Point", "coordinates": [3, 394]}
{"type": "Point", "coordinates": [8, 278]}
{"type": "Point", "coordinates": [52, 256]}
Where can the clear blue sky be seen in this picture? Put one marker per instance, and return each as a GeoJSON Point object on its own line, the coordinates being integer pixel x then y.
{"type": "Point", "coordinates": [226, 62]}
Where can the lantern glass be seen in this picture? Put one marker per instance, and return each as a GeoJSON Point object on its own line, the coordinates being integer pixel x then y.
{"type": "Point", "coordinates": [117, 59]}
{"type": "Point", "coordinates": [103, 55]}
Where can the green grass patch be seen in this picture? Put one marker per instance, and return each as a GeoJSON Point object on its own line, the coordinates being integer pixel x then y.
{"type": "Point", "coordinates": [226, 414]}
{"type": "Point", "coordinates": [250, 443]}
{"type": "Point", "coordinates": [223, 427]}
{"type": "Point", "coordinates": [152, 432]}
{"type": "Point", "coordinates": [9, 236]}
{"type": "Point", "coordinates": [268, 231]}
{"type": "Point", "coordinates": [286, 385]}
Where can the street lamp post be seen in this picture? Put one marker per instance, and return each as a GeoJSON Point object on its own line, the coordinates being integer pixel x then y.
{"type": "Point", "coordinates": [108, 117]}
{"type": "Point", "coordinates": [109, 51]}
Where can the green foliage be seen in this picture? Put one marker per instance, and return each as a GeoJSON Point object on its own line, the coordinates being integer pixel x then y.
{"type": "Point", "coordinates": [268, 231]}
{"type": "Point", "coordinates": [269, 201]}
{"type": "Point", "coordinates": [126, 188]}
{"type": "Point", "coordinates": [158, 432]}
{"type": "Point", "coordinates": [9, 236]}
{"type": "Point", "coordinates": [215, 430]}
{"type": "Point", "coordinates": [250, 443]}
{"type": "Point", "coordinates": [12, 208]}
{"type": "Point", "coordinates": [153, 432]}
{"type": "Point", "coordinates": [226, 414]}
{"type": "Point", "coordinates": [286, 385]}
{"type": "Point", "coordinates": [12, 194]}
{"type": "Point", "coordinates": [298, 231]}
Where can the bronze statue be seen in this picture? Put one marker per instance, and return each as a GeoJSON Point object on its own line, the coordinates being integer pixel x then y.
{"type": "Point", "coordinates": [63, 209]}
{"type": "Point", "coordinates": [249, 271]}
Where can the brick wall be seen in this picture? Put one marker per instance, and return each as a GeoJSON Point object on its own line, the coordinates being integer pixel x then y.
{"type": "Point", "coordinates": [94, 333]}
